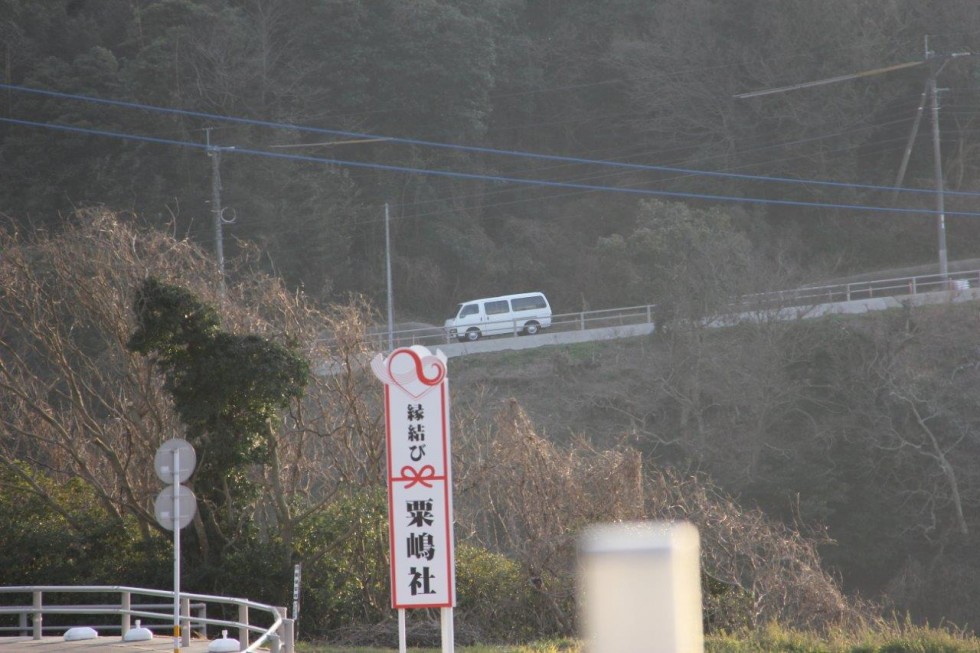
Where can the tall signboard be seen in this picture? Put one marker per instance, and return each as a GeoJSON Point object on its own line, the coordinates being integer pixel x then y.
{"type": "Point", "coordinates": [420, 506]}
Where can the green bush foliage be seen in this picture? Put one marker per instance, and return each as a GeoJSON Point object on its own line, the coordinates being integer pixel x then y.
{"type": "Point", "coordinates": [494, 596]}
{"type": "Point", "coordinates": [228, 390]}
{"type": "Point", "coordinates": [346, 577]}
{"type": "Point", "coordinates": [78, 543]}
{"type": "Point", "coordinates": [257, 569]}
{"type": "Point", "coordinates": [727, 607]}
{"type": "Point", "coordinates": [346, 574]}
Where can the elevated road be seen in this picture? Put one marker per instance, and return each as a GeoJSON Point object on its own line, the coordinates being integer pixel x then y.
{"type": "Point", "coordinates": [853, 307]}
{"type": "Point", "coordinates": [844, 298]}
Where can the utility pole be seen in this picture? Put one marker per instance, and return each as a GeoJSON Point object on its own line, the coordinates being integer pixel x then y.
{"type": "Point", "coordinates": [940, 186]}
{"type": "Point", "coordinates": [936, 64]}
{"type": "Point", "coordinates": [215, 153]}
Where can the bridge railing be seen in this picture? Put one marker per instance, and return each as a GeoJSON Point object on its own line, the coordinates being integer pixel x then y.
{"type": "Point", "coordinates": [26, 603]}
{"type": "Point", "coordinates": [435, 336]}
{"type": "Point", "coordinates": [856, 290]}
{"type": "Point", "coordinates": [647, 314]}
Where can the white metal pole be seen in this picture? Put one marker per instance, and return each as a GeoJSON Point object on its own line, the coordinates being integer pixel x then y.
{"type": "Point", "coordinates": [176, 516]}
{"type": "Point", "coordinates": [448, 631]}
{"type": "Point", "coordinates": [402, 638]}
{"type": "Point", "coordinates": [391, 311]}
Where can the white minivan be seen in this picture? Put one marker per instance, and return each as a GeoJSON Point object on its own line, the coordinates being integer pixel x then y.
{"type": "Point", "coordinates": [525, 313]}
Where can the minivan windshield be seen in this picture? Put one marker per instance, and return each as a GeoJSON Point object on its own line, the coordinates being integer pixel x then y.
{"type": "Point", "coordinates": [456, 311]}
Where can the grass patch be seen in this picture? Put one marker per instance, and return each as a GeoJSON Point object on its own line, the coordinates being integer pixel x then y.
{"type": "Point", "coordinates": [897, 638]}
{"type": "Point", "coordinates": [558, 646]}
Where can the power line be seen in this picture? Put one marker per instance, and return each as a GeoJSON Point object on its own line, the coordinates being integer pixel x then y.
{"type": "Point", "coordinates": [482, 177]}
{"type": "Point", "coordinates": [469, 148]}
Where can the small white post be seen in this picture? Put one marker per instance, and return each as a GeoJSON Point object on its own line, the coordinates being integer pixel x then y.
{"type": "Point", "coordinates": [37, 617]}
{"type": "Point", "coordinates": [640, 588]}
{"type": "Point", "coordinates": [289, 635]}
{"type": "Point", "coordinates": [185, 621]}
{"type": "Point", "coordinates": [243, 628]}
{"type": "Point", "coordinates": [126, 602]}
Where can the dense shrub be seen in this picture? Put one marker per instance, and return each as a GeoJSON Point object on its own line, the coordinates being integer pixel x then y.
{"type": "Point", "coordinates": [494, 597]}
{"type": "Point", "coordinates": [346, 583]}
{"type": "Point", "coordinates": [79, 543]}
{"type": "Point", "coordinates": [344, 549]}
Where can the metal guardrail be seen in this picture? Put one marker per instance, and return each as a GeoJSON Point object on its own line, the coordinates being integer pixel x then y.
{"type": "Point", "coordinates": [889, 287]}
{"type": "Point", "coordinates": [277, 635]}
{"type": "Point", "coordinates": [647, 314]}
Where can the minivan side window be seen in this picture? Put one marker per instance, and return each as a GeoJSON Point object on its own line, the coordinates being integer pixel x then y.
{"type": "Point", "coordinates": [469, 309]}
{"type": "Point", "coordinates": [496, 308]}
{"type": "Point", "coordinates": [528, 303]}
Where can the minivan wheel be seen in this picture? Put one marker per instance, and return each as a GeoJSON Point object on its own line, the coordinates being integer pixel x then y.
{"type": "Point", "coordinates": [473, 335]}
{"type": "Point", "coordinates": [531, 328]}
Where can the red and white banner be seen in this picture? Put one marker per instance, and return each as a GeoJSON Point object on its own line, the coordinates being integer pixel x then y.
{"type": "Point", "coordinates": [420, 506]}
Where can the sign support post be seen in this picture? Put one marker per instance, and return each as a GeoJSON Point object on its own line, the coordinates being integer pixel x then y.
{"type": "Point", "coordinates": [402, 635]}
{"type": "Point", "coordinates": [297, 579]}
{"type": "Point", "coordinates": [176, 482]}
{"type": "Point", "coordinates": [176, 505]}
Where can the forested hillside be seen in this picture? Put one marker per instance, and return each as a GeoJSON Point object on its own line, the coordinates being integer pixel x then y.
{"type": "Point", "coordinates": [114, 337]}
{"type": "Point", "coordinates": [865, 426]}
{"type": "Point", "coordinates": [334, 107]}
{"type": "Point", "coordinates": [816, 458]}
{"type": "Point", "coordinates": [592, 149]}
